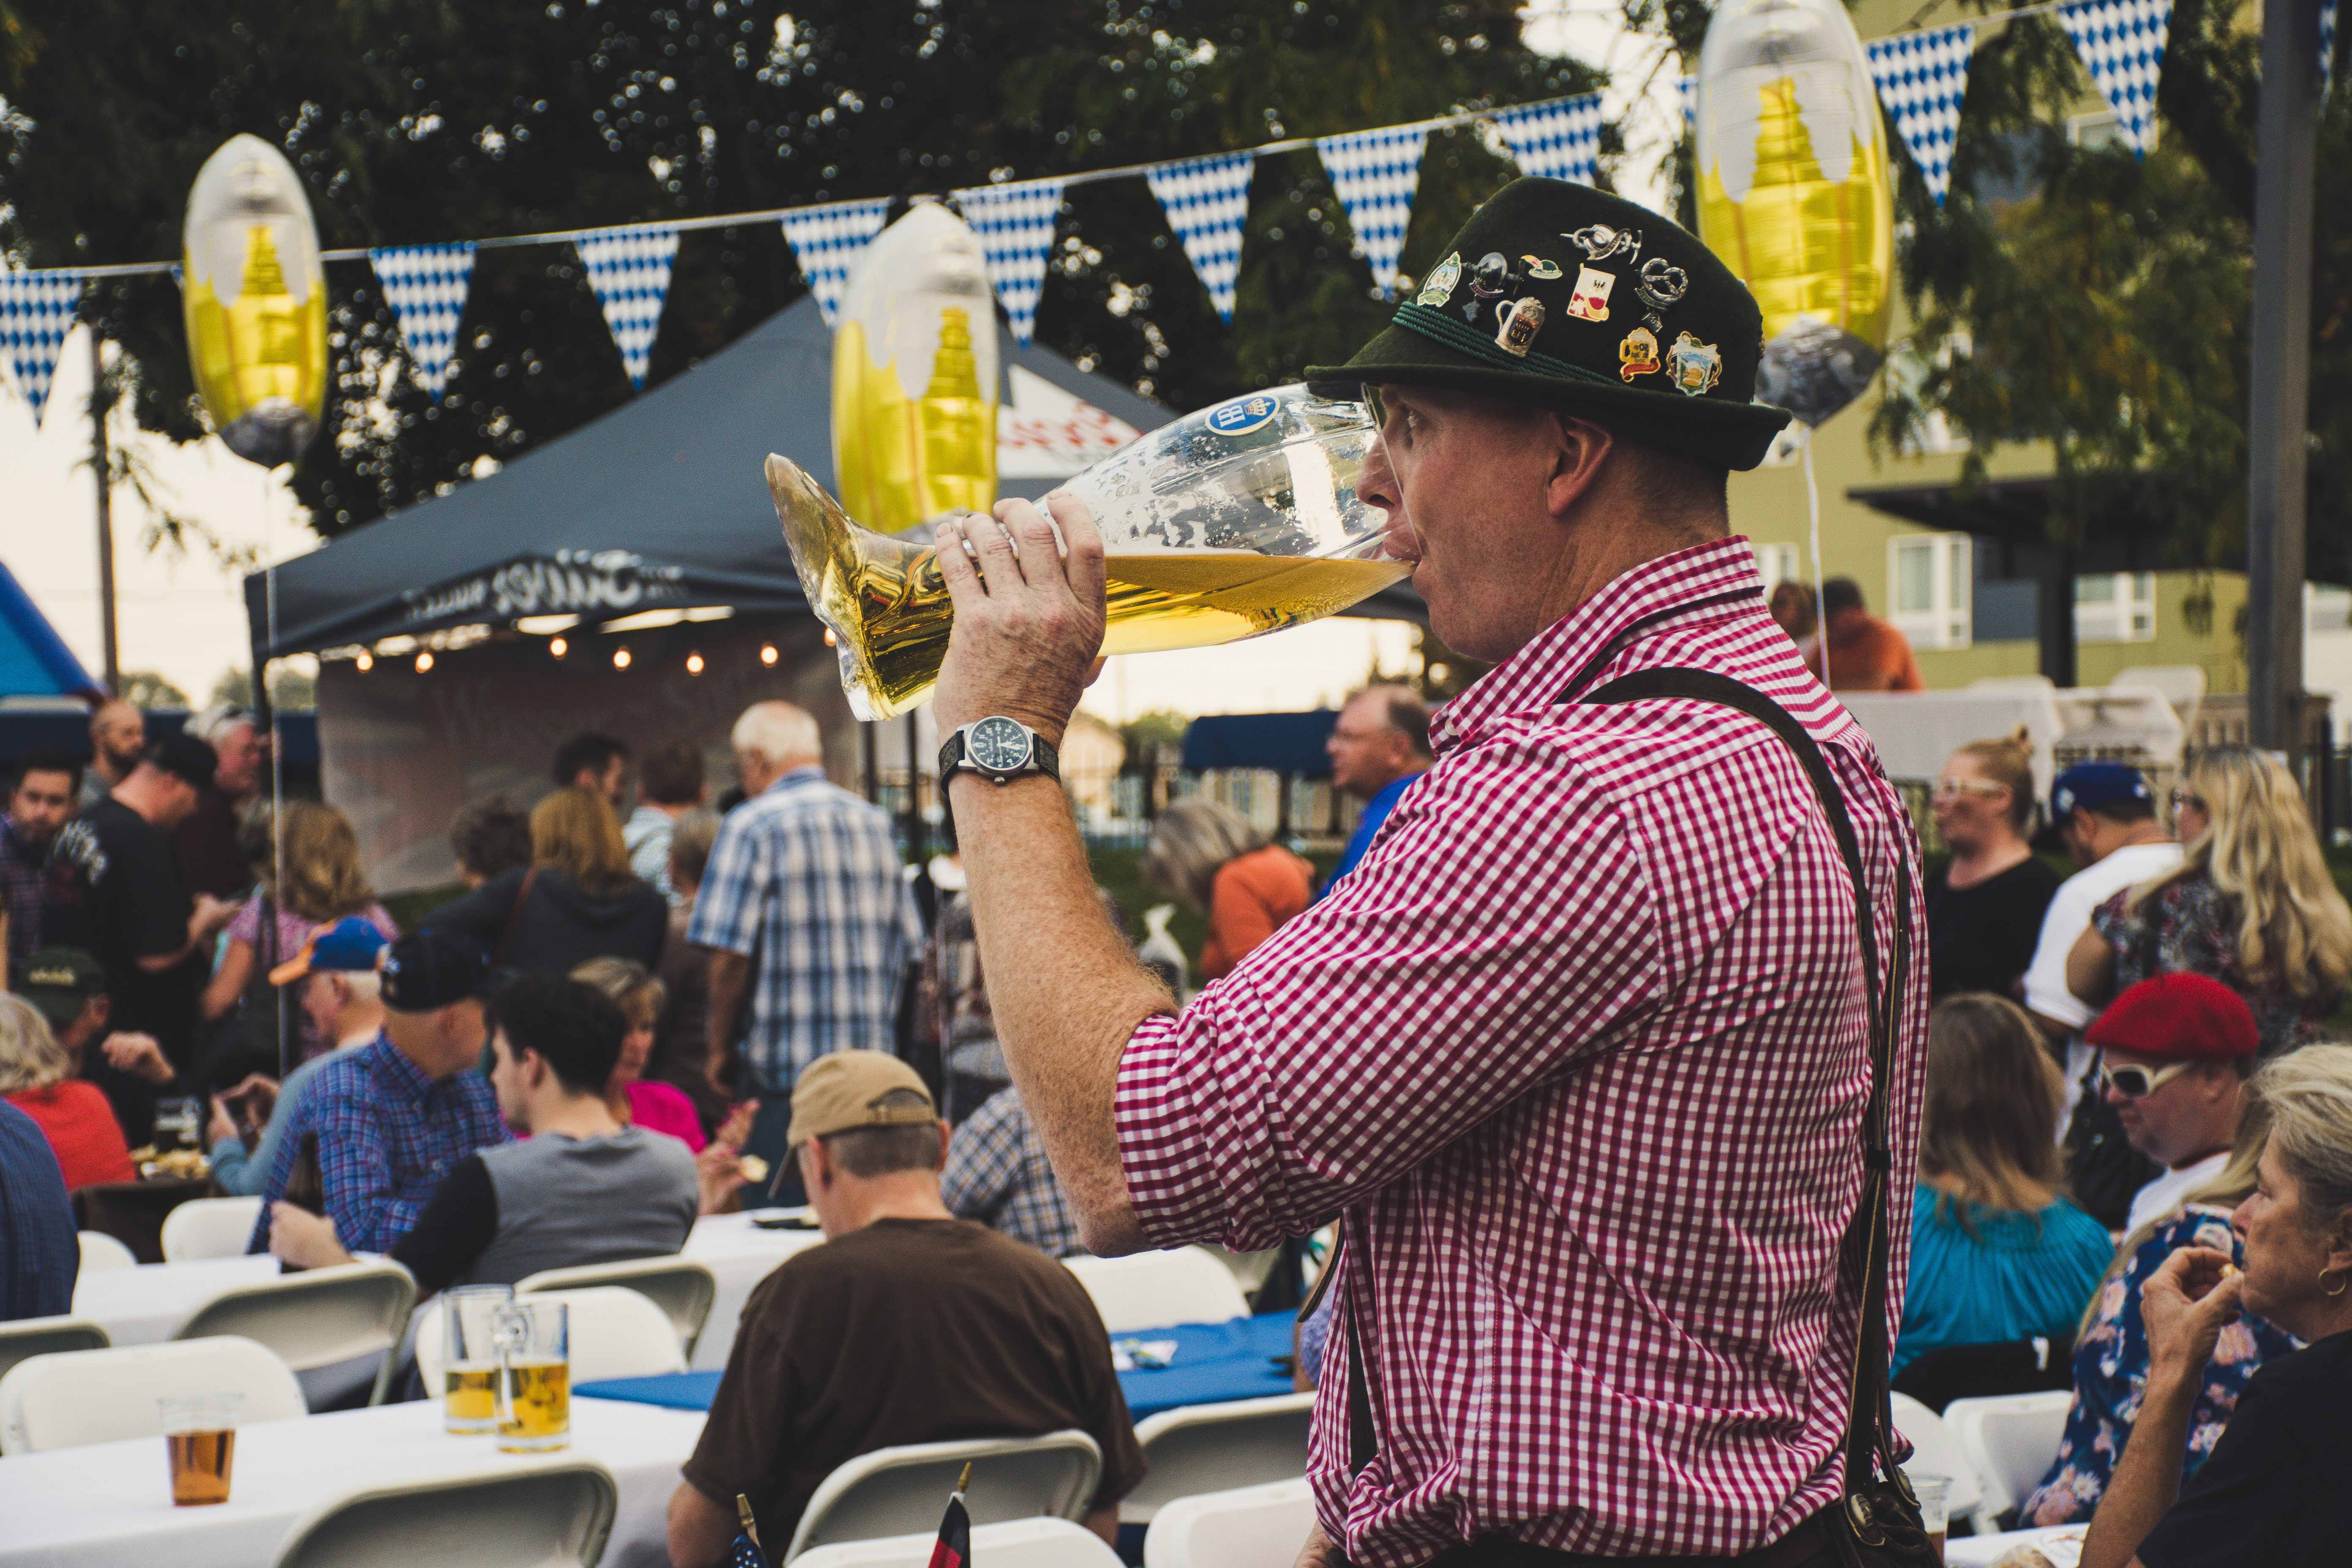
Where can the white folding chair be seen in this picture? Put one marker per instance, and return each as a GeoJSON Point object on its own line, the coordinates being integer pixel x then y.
{"type": "Point", "coordinates": [1153, 1289]}
{"type": "Point", "coordinates": [1256, 1526]}
{"type": "Point", "coordinates": [680, 1286]}
{"type": "Point", "coordinates": [897, 1491]}
{"type": "Point", "coordinates": [100, 1252]}
{"type": "Point", "coordinates": [28, 1337]}
{"type": "Point", "coordinates": [1936, 1452]}
{"type": "Point", "coordinates": [552, 1516]}
{"type": "Point", "coordinates": [1217, 1449]}
{"type": "Point", "coordinates": [209, 1228]}
{"type": "Point", "coordinates": [100, 1396]}
{"type": "Point", "coordinates": [319, 1318]}
{"type": "Point", "coordinates": [2011, 1441]}
{"type": "Point", "coordinates": [1031, 1542]}
{"type": "Point", "coordinates": [615, 1332]}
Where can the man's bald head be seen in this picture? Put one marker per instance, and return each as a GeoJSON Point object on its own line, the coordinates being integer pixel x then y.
{"type": "Point", "coordinates": [1382, 735]}
{"type": "Point", "coordinates": [118, 734]}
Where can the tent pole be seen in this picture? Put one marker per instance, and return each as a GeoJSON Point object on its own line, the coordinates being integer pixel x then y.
{"type": "Point", "coordinates": [101, 467]}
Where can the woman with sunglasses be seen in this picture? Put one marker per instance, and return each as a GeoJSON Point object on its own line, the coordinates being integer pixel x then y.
{"type": "Point", "coordinates": [2251, 904]}
{"type": "Point", "coordinates": [2171, 1050]}
{"type": "Point", "coordinates": [2272, 1490]}
{"type": "Point", "coordinates": [1985, 904]}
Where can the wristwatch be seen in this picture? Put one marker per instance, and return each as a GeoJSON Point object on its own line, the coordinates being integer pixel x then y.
{"type": "Point", "coordinates": [999, 750]}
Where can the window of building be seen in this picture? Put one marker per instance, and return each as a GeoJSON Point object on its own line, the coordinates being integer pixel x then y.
{"type": "Point", "coordinates": [2327, 608]}
{"type": "Point", "coordinates": [1927, 583]}
{"type": "Point", "coordinates": [1775, 563]}
{"type": "Point", "coordinates": [2116, 607]}
{"type": "Point", "coordinates": [2100, 129]}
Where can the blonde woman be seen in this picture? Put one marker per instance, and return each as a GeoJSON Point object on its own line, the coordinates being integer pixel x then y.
{"type": "Point", "coordinates": [577, 900]}
{"type": "Point", "coordinates": [630, 1096]}
{"type": "Point", "coordinates": [1997, 1251]}
{"type": "Point", "coordinates": [310, 880]}
{"type": "Point", "coordinates": [1210, 857]}
{"type": "Point", "coordinates": [1985, 903]}
{"type": "Point", "coordinates": [36, 1078]}
{"type": "Point", "coordinates": [2251, 904]}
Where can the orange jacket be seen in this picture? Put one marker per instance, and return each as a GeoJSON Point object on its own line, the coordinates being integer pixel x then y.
{"type": "Point", "coordinates": [1868, 655]}
{"type": "Point", "coordinates": [1252, 895]}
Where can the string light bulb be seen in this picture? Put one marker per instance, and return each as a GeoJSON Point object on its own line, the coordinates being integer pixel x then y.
{"type": "Point", "coordinates": [365, 662]}
{"type": "Point", "coordinates": [768, 654]}
{"type": "Point", "coordinates": [558, 647]}
{"type": "Point", "coordinates": [694, 664]}
{"type": "Point", "coordinates": [424, 661]}
{"type": "Point", "coordinates": [620, 659]}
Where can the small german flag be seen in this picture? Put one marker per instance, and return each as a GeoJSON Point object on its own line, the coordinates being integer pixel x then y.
{"type": "Point", "coordinates": [954, 1547]}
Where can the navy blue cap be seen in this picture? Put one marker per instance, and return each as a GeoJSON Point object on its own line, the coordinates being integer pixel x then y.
{"type": "Point", "coordinates": [428, 970]}
{"type": "Point", "coordinates": [2086, 786]}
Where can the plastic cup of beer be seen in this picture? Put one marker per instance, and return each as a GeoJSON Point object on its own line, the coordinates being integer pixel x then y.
{"type": "Point", "coordinates": [200, 1434]}
{"type": "Point", "coordinates": [469, 1346]}
{"type": "Point", "coordinates": [1934, 1493]}
{"type": "Point", "coordinates": [535, 1382]}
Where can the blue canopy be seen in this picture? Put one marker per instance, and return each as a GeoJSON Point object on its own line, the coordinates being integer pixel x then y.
{"type": "Point", "coordinates": [34, 660]}
{"type": "Point", "coordinates": [1283, 742]}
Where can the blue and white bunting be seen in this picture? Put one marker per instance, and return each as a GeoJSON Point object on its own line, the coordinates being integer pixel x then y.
{"type": "Point", "coordinates": [1376, 173]}
{"type": "Point", "coordinates": [1921, 78]}
{"type": "Point", "coordinates": [37, 311]}
{"type": "Point", "coordinates": [2121, 43]}
{"type": "Point", "coordinates": [1687, 90]}
{"type": "Point", "coordinates": [2327, 48]}
{"type": "Point", "coordinates": [827, 240]}
{"type": "Point", "coordinates": [1016, 226]}
{"type": "Point", "coordinates": [629, 269]}
{"type": "Point", "coordinates": [1559, 140]}
{"type": "Point", "coordinates": [1207, 203]}
{"type": "Point", "coordinates": [426, 287]}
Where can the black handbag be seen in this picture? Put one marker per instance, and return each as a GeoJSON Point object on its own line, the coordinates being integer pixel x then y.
{"type": "Point", "coordinates": [262, 1033]}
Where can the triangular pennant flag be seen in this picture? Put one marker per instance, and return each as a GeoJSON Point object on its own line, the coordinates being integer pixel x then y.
{"type": "Point", "coordinates": [37, 311]}
{"type": "Point", "coordinates": [1376, 173]}
{"type": "Point", "coordinates": [1207, 202]}
{"type": "Point", "coordinates": [630, 271]}
{"type": "Point", "coordinates": [1015, 225]}
{"type": "Point", "coordinates": [1921, 79]}
{"type": "Point", "coordinates": [426, 287]}
{"type": "Point", "coordinates": [1687, 90]}
{"type": "Point", "coordinates": [2121, 46]}
{"type": "Point", "coordinates": [826, 241]}
{"type": "Point", "coordinates": [1559, 140]}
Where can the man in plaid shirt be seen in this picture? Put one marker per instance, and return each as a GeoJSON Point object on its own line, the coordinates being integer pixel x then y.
{"type": "Point", "coordinates": [810, 925]}
{"type": "Point", "coordinates": [997, 1173]}
{"type": "Point", "coordinates": [1580, 1052]}
{"type": "Point", "coordinates": [39, 802]}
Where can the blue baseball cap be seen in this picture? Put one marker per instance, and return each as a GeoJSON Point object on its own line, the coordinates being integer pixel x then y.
{"type": "Point", "coordinates": [428, 970]}
{"type": "Point", "coordinates": [351, 945]}
{"type": "Point", "coordinates": [2086, 786]}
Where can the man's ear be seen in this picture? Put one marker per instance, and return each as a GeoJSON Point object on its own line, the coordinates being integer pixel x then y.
{"type": "Point", "coordinates": [100, 1008]}
{"type": "Point", "coordinates": [1580, 448]}
{"type": "Point", "coordinates": [945, 1134]}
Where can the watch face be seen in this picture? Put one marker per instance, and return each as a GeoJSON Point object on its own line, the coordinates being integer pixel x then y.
{"type": "Point", "coordinates": [998, 745]}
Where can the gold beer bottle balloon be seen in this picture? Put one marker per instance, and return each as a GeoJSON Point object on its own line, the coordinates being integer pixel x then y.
{"type": "Point", "coordinates": [915, 375]}
{"type": "Point", "coordinates": [1793, 194]}
{"type": "Point", "coordinates": [255, 300]}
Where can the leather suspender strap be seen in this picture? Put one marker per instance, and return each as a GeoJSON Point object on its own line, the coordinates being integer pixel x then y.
{"type": "Point", "coordinates": [1870, 1423]}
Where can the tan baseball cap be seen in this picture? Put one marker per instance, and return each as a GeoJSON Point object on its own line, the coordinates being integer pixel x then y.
{"type": "Point", "coordinates": [849, 1089]}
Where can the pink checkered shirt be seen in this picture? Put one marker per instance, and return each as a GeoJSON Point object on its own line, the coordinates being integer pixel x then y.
{"type": "Point", "coordinates": [1578, 1053]}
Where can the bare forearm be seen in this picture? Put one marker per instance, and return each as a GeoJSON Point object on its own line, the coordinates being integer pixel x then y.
{"type": "Point", "coordinates": [2147, 1482]}
{"type": "Point", "coordinates": [1065, 991]}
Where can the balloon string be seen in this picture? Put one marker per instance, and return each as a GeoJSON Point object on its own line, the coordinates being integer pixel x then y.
{"type": "Point", "coordinates": [1821, 595]}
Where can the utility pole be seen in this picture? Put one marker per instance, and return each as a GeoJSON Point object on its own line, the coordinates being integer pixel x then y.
{"type": "Point", "coordinates": [102, 466]}
{"type": "Point", "coordinates": [2277, 425]}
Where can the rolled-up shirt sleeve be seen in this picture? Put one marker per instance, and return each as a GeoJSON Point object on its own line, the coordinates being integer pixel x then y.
{"type": "Point", "coordinates": [1501, 932]}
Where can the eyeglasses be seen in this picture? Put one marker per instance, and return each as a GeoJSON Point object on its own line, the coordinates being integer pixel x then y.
{"type": "Point", "coordinates": [2136, 1082]}
{"type": "Point", "coordinates": [1952, 789]}
{"type": "Point", "coordinates": [2182, 795]}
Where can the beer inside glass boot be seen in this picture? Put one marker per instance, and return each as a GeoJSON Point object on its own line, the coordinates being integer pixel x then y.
{"type": "Point", "coordinates": [1239, 519]}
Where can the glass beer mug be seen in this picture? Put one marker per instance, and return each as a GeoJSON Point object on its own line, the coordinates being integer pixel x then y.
{"type": "Point", "coordinates": [1235, 520]}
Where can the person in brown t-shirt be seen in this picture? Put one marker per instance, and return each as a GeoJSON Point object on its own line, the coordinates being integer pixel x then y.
{"type": "Point", "coordinates": [906, 1326]}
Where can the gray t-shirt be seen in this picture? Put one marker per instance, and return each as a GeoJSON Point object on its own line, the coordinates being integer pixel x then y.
{"type": "Point", "coordinates": [553, 1202]}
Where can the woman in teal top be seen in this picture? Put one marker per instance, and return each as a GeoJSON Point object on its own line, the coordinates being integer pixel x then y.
{"type": "Point", "coordinates": [1997, 1253]}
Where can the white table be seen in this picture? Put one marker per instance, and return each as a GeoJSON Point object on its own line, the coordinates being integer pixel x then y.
{"type": "Point", "coordinates": [110, 1505]}
{"type": "Point", "coordinates": [741, 1255]}
{"type": "Point", "coordinates": [1977, 1551]}
{"type": "Point", "coordinates": [147, 1304]}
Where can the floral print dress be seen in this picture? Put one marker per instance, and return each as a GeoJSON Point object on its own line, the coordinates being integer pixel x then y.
{"type": "Point", "coordinates": [2111, 1375]}
{"type": "Point", "coordinates": [2190, 925]}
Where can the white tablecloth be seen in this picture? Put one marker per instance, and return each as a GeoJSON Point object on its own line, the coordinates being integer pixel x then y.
{"type": "Point", "coordinates": [110, 1505]}
{"type": "Point", "coordinates": [741, 1255]}
{"type": "Point", "coordinates": [141, 1306]}
{"type": "Point", "coordinates": [1977, 1551]}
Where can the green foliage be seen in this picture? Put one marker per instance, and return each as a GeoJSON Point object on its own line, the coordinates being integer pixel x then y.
{"type": "Point", "coordinates": [290, 691]}
{"type": "Point", "coordinates": [146, 689]}
{"type": "Point", "coordinates": [1162, 727]}
{"type": "Point", "coordinates": [416, 121]}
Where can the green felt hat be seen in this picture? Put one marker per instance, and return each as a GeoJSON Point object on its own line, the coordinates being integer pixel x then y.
{"type": "Point", "coordinates": [1556, 295]}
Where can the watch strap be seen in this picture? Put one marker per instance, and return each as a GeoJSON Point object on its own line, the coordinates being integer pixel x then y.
{"type": "Point", "coordinates": [1042, 757]}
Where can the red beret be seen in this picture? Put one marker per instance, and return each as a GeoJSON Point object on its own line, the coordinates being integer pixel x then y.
{"type": "Point", "coordinates": [2177, 1017]}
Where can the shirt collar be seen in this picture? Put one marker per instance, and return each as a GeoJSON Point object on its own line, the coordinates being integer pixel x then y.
{"type": "Point", "coordinates": [799, 775]}
{"type": "Point", "coordinates": [1700, 578]}
{"type": "Point", "coordinates": [392, 1065]}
